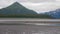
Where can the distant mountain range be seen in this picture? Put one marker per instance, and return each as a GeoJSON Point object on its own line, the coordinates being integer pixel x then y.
{"type": "Point", "coordinates": [54, 14]}
{"type": "Point", "coordinates": [17, 10]}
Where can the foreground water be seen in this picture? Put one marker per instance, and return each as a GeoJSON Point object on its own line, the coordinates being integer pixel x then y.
{"type": "Point", "coordinates": [29, 26]}
{"type": "Point", "coordinates": [29, 29]}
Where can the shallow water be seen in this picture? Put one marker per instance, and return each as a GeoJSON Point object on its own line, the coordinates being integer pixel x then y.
{"type": "Point", "coordinates": [29, 29]}
{"type": "Point", "coordinates": [28, 26]}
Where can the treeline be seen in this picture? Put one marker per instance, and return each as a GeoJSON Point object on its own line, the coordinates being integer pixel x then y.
{"type": "Point", "coordinates": [26, 16]}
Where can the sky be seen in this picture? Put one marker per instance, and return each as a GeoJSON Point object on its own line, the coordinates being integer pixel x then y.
{"type": "Point", "coordinates": [39, 6]}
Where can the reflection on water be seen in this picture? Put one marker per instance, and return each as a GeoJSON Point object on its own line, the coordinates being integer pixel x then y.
{"type": "Point", "coordinates": [29, 29]}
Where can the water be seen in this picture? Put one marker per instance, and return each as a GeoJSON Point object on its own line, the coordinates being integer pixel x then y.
{"type": "Point", "coordinates": [27, 26]}
{"type": "Point", "coordinates": [29, 29]}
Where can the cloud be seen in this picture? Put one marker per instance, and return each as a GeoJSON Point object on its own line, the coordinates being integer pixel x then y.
{"type": "Point", "coordinates": [38, 1]}
{"type": "Point", "coordinates": [22, 0]}
{"type": "Point", "coordinates": [42, 7]}
{"type": "Point", "coordinates": [5, 3]}
{"type": "Point", "coordinates": [37, 5]}
{"type": "Point", "coordinates": [58, 0]}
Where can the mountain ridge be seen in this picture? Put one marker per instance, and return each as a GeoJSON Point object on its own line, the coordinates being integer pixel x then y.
{"type": "Point", "coordinates": [54, 14]}
{"type": "Point", "coordinates": [16, 8]}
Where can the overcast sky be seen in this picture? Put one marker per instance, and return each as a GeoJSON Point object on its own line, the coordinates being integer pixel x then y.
{"type": "Point", "coordinates": [37, 5]}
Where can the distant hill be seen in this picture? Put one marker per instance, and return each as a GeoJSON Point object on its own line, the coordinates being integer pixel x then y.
{"type": "Point", "coordinates": [54, 14]}
{"type": "Point", "coordinates": [16, 9]}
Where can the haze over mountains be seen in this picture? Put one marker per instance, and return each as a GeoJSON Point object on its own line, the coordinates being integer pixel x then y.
{"type": "Point", "coordinates": [17, 10]}
{"type": "Point", "coordinates": [36, 5]}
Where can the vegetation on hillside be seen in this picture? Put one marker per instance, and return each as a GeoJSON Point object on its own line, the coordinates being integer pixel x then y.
{"type": "Point", "coordinates": [19, 11]}
{"type": "Point", "coordinates": [27, 16]}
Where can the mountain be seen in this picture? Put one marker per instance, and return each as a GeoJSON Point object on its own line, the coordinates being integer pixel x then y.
{"type": "Point", "coordinates": [16, 9]}
{"type": "Point", "coordinates": [54, 14]}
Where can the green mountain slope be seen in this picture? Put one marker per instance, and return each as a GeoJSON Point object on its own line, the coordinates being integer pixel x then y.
{"type": "Point", "coordinates": [16, 9]}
